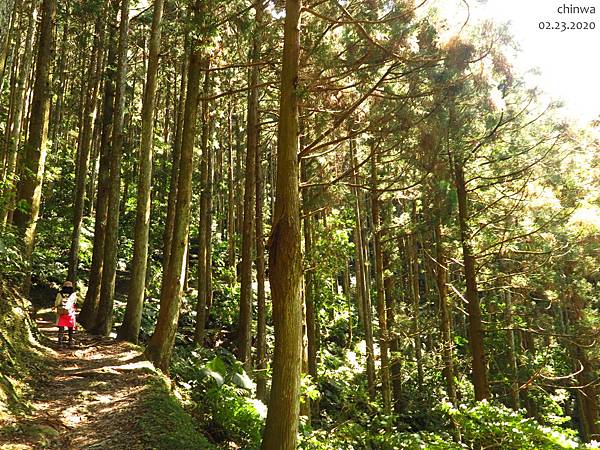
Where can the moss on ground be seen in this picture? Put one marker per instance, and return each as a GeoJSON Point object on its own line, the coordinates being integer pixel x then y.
{"type": "Point", "coordinates": [21, 356]}
{"type": "Point", "coordinates": [165, 423]}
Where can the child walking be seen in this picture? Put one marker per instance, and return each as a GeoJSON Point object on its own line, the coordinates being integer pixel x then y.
{"type": "Point", "coordinates": [66, 308]}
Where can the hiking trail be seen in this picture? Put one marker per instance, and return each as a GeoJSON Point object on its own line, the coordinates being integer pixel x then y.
{"type": "Point", "coordinates": [87, 397]}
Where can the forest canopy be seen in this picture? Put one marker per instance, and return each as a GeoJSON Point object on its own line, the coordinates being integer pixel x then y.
{"type": "Point", "coordinates": [333, 224]}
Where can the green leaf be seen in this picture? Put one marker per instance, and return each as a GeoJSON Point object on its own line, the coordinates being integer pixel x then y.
{"type": "Point", "coordinates": [214, 375]}
{"type": "Point", "coordinates": [216, 369]}
{"type": "Point", "coordinates": [217, 365]}
{"type": "Point", "coordinates": [242, 380]}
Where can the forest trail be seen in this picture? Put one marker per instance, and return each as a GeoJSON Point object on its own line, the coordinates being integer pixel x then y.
{"type": "Point", "coordinates": [88, 396]}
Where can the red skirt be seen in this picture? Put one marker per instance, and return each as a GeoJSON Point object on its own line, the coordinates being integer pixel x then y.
{"type": "Point", "coordinates": [66, 320]}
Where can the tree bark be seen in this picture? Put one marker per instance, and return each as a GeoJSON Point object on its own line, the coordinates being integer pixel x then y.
{"type": "Point", "coordinates": [85, 145]}
{"type": "Point", "coordinates": [285, 270]}
{"type": "Point", "coordinates": [29, 188]}
{"type": "Point", "coordinates": [512, 352]}
{"type": "Point", "coordinates": [8, 15]}
{"type": "Point", "coordinates": [381, 305]}
{"type": "Point", "coordinates": [61, 85]}
{"type": "Point", "coordinates": [363, 285]}
{"type": "Point", "coordinates": [253, 127]}
{"type": "Point", "coordinates": [161, 343]}
{"type": "Point", "coordinates": [445, 318]}
{"type": "Point", "coordinates": [395, 362]}
{"type": "Point", "coordinates": [19, 101]}
{"type": "Point", "coordinates": [209, 220]}
{"type": "Point", "coordinates": [261, 320]}
{"type": "Point", "coordinates": [133, 312]}
{"type": "Point", "coordinates": [309, 288]}
{"type": "Point", "coordinates": [96, 140]}
{"type": "Point", "coordinates": [103, 322]}
{"type": "Point", "coordinates": [89, 310]}
{"type": "Point", "coordinates": [204, 225]}
{"type": "Point", "coordinates": [230, 201]}
{"type": "Point", "coordinates": [170, 219]}
{"type": "Point", "coordinates": [587, 390]}
{"type": "Point", "coordinates": [411, 244]}
{"type": "Point", "coordinates": [479, 369]}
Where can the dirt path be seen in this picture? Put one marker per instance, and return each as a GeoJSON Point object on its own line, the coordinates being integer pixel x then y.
{"type": "Point", "coordinates": [88, 398]}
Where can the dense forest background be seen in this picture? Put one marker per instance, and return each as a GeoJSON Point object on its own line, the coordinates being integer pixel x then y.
{"type": "Point", "coordinates": [343, 211]}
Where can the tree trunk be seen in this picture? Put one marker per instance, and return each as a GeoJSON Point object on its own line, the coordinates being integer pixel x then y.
{"type": "Point", "coordinates": [170, 219]}
{"type": "Point", "coordinates": [512, 352]}
{"type": "Point", "coordinates": [445, 318]}
{"type": "Point", "coordinates": [8, 16]}
{"type": "Point", "coordinates": [587, 395]}
{"type": "Point", "coordinates": [479, 369]}
{"type": "Point", "coordinates": [133, 313]}
{"type": "Point", "coordinates": [89, 311]}
{"type": "Point", "coordinates": [85, 145]}
{"type": "Point", "coordinates": [103, 323]}
{"type": "Point", "coordinates": [245, 321]}
{"type": "Point", "coordinates": [20, 98]}
{"type": "Point", "coordinates": [209, 220]}
{"type": "Point", "coordinates": [361, 269]}
{"type": "Point", "coordinates": [29, 189]}
{"type": "Point", "coordinates": [261, 321]}
{"type": "Point", "coordinates": [61, 85]}
{"type": "Point", "coordinates": [203, 228]}
{"type": "Point", "coordinates": [395, 361]}
{"type": "Point", "coordinates": [230, 200]}
{"type": "Point", "coordinates": [94, 162]}
{"type": "Point", "coordinates": [411, 244]}
{"type": "Point", "coordinates": [586, 391]}
{"type": "Point", "coordinates": [285, 270]}
{"type": "Point", "coordinates": [239, 207]}
{"type": "Point", "coordinates": [348, 295]}
{"type": "Point", "coordinates": [381, 306]}
{"type": "Point", "coordinates": [309, 287]}
{"type": "Point", "coordinates": [161, 343]}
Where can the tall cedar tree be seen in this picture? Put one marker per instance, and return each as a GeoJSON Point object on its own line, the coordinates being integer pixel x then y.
{"type": "Point", "coordinates": [285, 257]}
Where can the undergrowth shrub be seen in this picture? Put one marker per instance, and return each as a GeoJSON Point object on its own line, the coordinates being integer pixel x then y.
{"type": "Point", "coordinates": [483, 426]}
{"type": "Point", "coordinates": [11, 259]}
{"type": "Point", "coordinates": [222, 396]}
